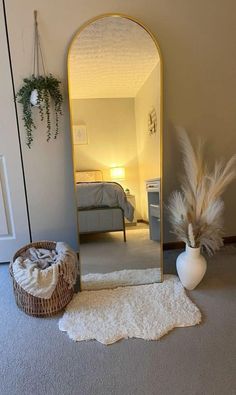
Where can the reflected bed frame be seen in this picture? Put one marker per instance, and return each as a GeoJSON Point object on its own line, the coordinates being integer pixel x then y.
{"type": "Point", "coordinates": [98, 219]}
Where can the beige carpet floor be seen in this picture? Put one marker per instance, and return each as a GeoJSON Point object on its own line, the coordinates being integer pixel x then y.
{"type": "Point", "coordinates": [37, 359]}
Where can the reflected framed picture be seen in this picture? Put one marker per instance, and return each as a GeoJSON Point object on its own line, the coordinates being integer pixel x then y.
{"type": "Point", "coordinates": [80, 134]}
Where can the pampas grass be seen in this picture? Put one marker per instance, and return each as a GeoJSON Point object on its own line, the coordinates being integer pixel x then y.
{"type": "Point", "coordinates": [196, 212]}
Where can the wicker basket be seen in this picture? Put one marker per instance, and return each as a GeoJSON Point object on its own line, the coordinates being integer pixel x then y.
{"type": "Point", "coordinates": [39, 307]}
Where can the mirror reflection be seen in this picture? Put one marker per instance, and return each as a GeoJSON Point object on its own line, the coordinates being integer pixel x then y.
{"type": "Point", "coordinates": [114, 89]}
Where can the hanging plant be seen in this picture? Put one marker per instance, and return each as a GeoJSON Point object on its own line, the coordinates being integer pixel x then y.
{"type": "Point", "coordinates": [41, 91]}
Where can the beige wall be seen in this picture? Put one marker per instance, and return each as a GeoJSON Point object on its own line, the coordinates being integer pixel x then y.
{"type": "Point", "coordinates": [197, 39]}
{"type": "Point", "coordinates": [112, 138]}
{"type": "Point", "coordinates": [148, 146]}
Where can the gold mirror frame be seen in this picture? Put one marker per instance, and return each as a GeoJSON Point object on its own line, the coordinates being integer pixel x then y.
{"type": "Point", "coordinates": [120, 15]}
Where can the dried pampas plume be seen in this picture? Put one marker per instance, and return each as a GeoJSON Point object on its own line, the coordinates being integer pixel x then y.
{"type": "Point", "coordinates": [191, 237]}
{"type": "Point", "coordinates": [196, 212]}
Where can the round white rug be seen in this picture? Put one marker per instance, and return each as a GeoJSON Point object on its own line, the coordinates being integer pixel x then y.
{"type": "Point", "coordinates": [144, 311]}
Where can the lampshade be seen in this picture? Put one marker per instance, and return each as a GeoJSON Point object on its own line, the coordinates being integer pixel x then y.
{"type": "Point", "coordinates": [117, 173]}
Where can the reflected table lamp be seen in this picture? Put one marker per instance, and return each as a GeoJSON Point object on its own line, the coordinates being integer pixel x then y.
{"type": "Point", "coordinates": [117, 173]}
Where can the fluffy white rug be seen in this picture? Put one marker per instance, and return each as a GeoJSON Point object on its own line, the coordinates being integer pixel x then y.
{"type": "Point", "coordinates": [143, 311]}
{"type": "Point", "coordinates": [120, 278]}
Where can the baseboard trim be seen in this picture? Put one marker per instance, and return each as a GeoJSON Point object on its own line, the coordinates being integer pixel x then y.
{"type": "Point", "coordinates": [229, 239]}
{"type": "Point", "coordinates": [179, 245]}
{"type": "Point", "coordinates": [173, 245]}
{"type": "Point", "coordinates": [142, 221]}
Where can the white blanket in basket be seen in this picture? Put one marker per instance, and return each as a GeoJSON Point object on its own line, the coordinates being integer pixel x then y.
{"type": "Point", "coordinates": [37, 272]}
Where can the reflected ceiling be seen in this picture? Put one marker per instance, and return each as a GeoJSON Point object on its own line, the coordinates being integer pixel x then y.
{"type": "Point", "coordinates": [111, 58]}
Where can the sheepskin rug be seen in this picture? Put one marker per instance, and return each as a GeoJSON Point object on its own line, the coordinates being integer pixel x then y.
{"type": "Point", "coordinates": [144, 311]}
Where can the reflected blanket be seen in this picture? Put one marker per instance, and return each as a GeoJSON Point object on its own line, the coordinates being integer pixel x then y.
{"type": "Point", "coordinates": [103, 194]}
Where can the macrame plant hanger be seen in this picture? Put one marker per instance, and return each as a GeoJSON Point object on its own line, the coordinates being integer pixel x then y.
{"type": "Point", "coordinates": [42, 91]}
{"type": "Point", "coordinates": [38, 60]}
{"type": "Point", "coordinates": [38, 55]}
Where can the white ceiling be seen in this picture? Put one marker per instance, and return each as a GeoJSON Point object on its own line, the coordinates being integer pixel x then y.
{"type": "Point", "coordinates": [112, 57]}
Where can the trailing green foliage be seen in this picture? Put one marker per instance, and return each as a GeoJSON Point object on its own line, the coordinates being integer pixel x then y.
{"type": "Point", "coordinates": [48, 94]}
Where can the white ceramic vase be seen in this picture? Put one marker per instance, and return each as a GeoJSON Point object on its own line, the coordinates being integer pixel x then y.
{"type": "Point", "coordinates": [191, 267]}
{"type": "Point", "coordinates": [34, 98]}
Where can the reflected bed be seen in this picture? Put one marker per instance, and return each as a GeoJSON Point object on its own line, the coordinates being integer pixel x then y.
{"type": "Point", "coordinates": [102, 206]}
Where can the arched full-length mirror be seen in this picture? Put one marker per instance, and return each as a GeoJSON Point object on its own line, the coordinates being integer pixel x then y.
{"type": "Point", "coordinates": [115, 79]}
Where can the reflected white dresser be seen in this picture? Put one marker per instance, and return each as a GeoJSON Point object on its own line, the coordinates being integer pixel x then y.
{"type": "Point", "coordinates": [153, 199]}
